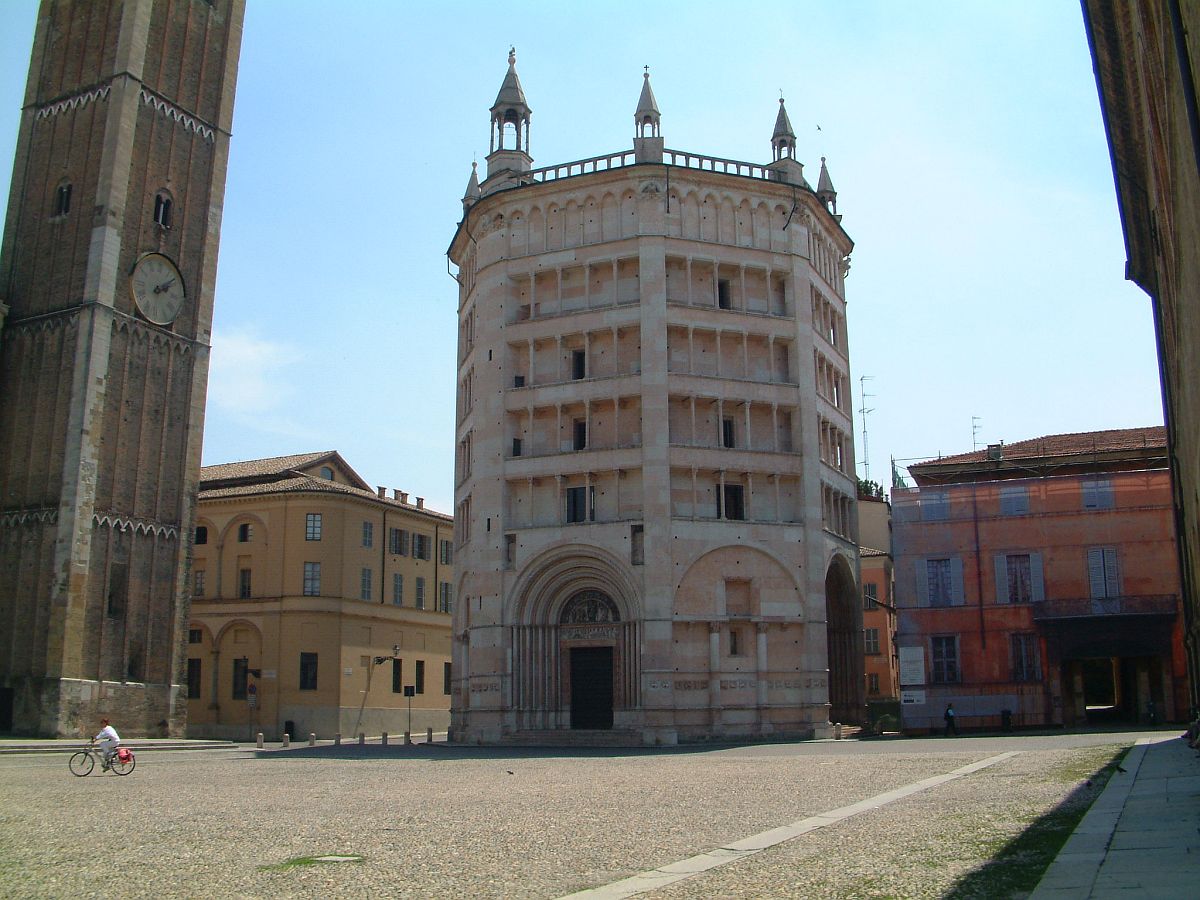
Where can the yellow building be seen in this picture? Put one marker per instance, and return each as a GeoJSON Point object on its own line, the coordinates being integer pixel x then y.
{"type": "Point", "coordinates": [315, 602]}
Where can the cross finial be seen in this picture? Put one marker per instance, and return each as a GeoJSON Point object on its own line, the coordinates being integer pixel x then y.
{"type": "Point", "coordinates": [512, 55]}
{"type": "Point", "coordinates": [647, 75]}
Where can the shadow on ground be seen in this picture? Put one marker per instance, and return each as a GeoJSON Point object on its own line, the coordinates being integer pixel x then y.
{"type": "Point", "coordinates": [1017, 865]}
{"type": "Point", "coordinates": [444, 752]}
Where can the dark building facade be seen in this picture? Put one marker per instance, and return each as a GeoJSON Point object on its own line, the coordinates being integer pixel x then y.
{"type": "Point", "coordinates": [1147, 56]}
{"type": "Point", "coordinates": [106, 298]}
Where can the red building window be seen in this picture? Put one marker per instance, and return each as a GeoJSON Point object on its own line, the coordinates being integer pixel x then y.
{"type": "Point", "coordinates": [945, 659]}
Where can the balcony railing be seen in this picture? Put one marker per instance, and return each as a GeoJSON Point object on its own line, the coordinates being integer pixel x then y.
{"type": "Point", "coordinates": [1130, 605]}
{"type": "Point", "coordinates": [679, 158]}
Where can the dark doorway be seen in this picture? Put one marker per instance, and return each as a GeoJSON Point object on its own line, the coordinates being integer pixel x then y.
{"type": "Point", "coordinates": [591, 687]}
{"type": "Point", "coordinates": [6, 710]}
{"type": "Point", "coordinates": [1101, 695]}
{"type": "Point", "coordinates": [844, 639]}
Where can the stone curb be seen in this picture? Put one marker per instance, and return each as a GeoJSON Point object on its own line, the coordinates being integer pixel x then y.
{"type": "Point", "coordinates": [135, 745]}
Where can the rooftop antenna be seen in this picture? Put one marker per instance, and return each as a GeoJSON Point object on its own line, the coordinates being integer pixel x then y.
{"type": "Point", "coordinates": [862, 411]}
{"type": "Point", "coordinates": [975, 429]}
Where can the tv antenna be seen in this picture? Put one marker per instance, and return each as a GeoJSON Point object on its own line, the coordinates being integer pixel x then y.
{"type": "Point", "coordinates": [975, 429]}
{"type": "Point", "coordinates": [862, 411]}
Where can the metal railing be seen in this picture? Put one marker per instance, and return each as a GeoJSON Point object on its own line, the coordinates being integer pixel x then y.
{"type": "Point", "coordinates": [681, 158]}
{"type": "Point", "coordinates": [1128, 605]}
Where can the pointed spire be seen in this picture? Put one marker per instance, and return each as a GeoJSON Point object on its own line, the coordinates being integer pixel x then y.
{"type": "Point", "coordinates": [511, 93]}
{"type": "Point", "coordinates": [647, 140]}
{"type": "Point", "coordinates": [783, 139]}
{"type": "Point", "coordinates": [783, 125]}
{"type": "Point", "coordinates": [825, 191]}
{"type": "Point", "coordinates": [510, 123]}
{"type": "Point", "coordinates": [647, 109]}
{"type": "Point", "coordinates": [473, 192]}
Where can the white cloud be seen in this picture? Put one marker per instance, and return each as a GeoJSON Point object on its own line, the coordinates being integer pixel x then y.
{"type": "Point", "coordinates": [249, 379]}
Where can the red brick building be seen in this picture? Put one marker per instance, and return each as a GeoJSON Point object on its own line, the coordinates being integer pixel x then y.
{"type": "Point", "coordinates": [1040, 578]}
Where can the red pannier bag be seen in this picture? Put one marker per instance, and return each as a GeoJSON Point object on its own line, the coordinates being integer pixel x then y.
{"type": "Point", "coordinates": [124, 755]}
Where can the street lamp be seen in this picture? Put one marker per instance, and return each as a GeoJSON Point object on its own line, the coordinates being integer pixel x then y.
{"type": "Point", "coordinates": [251, 695]}
{"type": "Point", "coordinates": [375, 661]}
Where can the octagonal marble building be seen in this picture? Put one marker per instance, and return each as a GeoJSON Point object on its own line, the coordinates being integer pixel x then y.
{"type": "Point", "coordinates": [655, 491]}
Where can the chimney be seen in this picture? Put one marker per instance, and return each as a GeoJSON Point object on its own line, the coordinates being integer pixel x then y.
{"type": "Point", "coordinates": [420, 503]}
{"type": "Point", "coordinates": [381, 491]}
{"type": "Point", "coordinates": [403, 496]}
{"type": "Point", "coordinates": [396, 494]}
{"type": "Point", "coordinates": [995, 451]}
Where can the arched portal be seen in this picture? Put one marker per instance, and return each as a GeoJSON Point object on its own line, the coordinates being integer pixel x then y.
{"type": "Point", "coordinates": [575, 642]}
{"type": "Point", "coordinates": [844, 644]}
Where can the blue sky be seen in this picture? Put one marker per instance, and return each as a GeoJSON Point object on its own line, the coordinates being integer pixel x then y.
{"type": "Point", "coordinates": [964, 139]}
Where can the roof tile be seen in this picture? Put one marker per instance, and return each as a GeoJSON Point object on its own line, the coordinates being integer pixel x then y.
{"type": "Point", "coordinates": [1077, 444]}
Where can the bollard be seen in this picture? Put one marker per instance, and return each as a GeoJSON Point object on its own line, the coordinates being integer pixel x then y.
{"type": "Point", "coordinates": [362, 738]}
{"type": "Point", "coordinates": [337, 739]}
{"type": "Point", "coordinates": [408, 737]}
{"type": "Point", "coordinates": [287, 739]}
{"type": "Point", "coordinates": [837, 731]}
{"type": "Point", "coordinates": [260, 740]}
{"type": "Point", "coordinates": [429, 735]}
{"type": "Point", "coordinates": [312, 740]}
{"type": "Point", "coordinates": [383, 739]}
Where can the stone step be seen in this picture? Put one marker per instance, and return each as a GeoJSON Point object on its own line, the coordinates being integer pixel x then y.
{"type": "Point", "coordinates": [573, 737]}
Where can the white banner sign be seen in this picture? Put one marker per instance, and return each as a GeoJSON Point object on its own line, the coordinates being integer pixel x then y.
{"type": "Point", "coordinates": [912, 698]}
{"type": "Point", "coordinates": [912, 665]}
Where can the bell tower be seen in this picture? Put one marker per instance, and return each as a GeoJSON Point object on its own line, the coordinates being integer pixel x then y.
{"type": "Point", "coordinates": [647, 138]}
{"type": "Point", "coordinates": [508, 148]}
{"type": "Point", "coordinates": [107, 272]}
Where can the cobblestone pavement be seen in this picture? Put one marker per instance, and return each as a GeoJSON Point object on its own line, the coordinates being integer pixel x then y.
{"type": "Point", "coordinates": [448, 821]}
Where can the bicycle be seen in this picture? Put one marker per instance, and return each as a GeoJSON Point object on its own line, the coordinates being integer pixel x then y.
{"type": "Point", "coordinates": [82, 762]}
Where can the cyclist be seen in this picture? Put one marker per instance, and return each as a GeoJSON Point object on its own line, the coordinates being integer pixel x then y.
{"type": "Point", "coordinates": [109, 740]}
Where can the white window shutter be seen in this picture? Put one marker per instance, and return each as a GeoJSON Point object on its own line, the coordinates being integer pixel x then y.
{"type": "Point", "coordinates": [1036, 579]}
{"type": "Point", "coordinates": [922, 583]}
{"type": "Point", "coordinates": [1014, 500]}
{"type": "Point", "coordinates": [957, 598]}
{"type": "Point", "coordinates": [1098, 494]}
{"type": "Point", "coordinates": [1112, 581]}
{"type": "Point", "coordinates": [1001, 562]}
{"type": "Point", "coordinates": [1095, 563]}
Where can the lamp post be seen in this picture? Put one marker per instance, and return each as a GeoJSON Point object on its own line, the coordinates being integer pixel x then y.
{"type": "Point", "coordinates": [375, 661]}
{"type": "Point", "coordinates": [409, 691]}
{"type": "Point", "coordinates": [252, 697]}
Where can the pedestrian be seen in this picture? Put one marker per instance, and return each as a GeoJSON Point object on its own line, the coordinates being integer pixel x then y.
{"type": "Point", "coordinates": [109, 740]}
{"type": "Point", "coordinates": [948, 716]}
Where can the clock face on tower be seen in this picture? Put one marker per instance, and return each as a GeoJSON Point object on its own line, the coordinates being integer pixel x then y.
{"type": "Point", "coordinates": [157, 288]}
